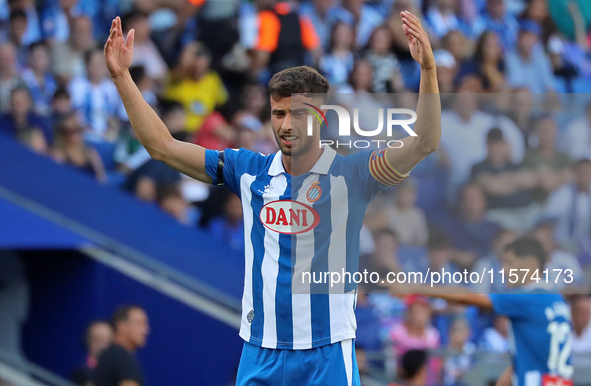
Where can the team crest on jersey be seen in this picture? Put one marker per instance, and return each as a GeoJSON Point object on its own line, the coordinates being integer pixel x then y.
{"type": "Point", "coordinates": [289, 217]}
{"type": "Point", "coordinates": [314, 192]}
{"type": "Point", "coordinates": [250, 316]}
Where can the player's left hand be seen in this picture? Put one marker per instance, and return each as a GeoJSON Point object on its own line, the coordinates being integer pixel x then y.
{"type": "Point", "coordinates": [418, 41]}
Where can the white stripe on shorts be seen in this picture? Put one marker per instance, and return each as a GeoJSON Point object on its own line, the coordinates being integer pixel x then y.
{"type": "Point", "coordinates": [347, 347]}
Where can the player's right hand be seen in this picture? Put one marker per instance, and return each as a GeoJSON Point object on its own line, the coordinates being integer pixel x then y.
{"type": "Point", "coordinates": [118, 52]}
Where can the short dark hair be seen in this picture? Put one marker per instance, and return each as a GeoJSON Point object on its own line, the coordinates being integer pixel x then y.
{"type": "Point", "coordinates": [411, 363]}
{"type": "Point", "coordinates": [61, 92]}
{"type": "Point", "coordinates": [164, 192]}
{"type": "Point", "coordinates": [167, 106]}
{"type": "Point", "coordinates": [528, 247]}
{"type": "Point", "coordinates": [438, 240]}
{"type": "Point", "coordinates": [297, 80]}
{"type": "Point", "coordinates": [122, 314]}
{"type": "Point", "coordinates": [17, 14]}
{"type": "Point", "coordinates": [494, 135]}
{"type": "Point", "coordinates": [131, 16]}
{"type": "Point", "coordinates": [138, 73]}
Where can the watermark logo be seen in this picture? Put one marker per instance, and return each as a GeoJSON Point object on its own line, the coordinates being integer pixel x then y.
{"type": "Point", "coordinates": [394, 117]}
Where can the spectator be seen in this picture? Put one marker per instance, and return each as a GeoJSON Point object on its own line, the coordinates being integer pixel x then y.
{"type": "Point", "coordinates": [69, 148]}
{"type": "Point", "coordinates": [461, 350]}
{"type": "Point", "coordinates": [322, 15]}
{"type": "Point", "coordinates": [98, 336]}
{"type": "Point", "coordinates": [404, 217]}
{"type": "Point", "coordinates": [31, 32]}
{"type": "Point", "coordinates": [521, 107]}
{"type": "Point", "coordinates": [538, 12]}
{"type": "Point", "coordinates": [416, 332]}
{"type": "Point", "coordinates": [553, 166]}
{"type": "Point", "coordinates": [558, 259]}
{"type": "Point", "coordinates": [456, 43]}
{"type": "Point", "coordinates": [488, 64]}
{"type": "Point", "coordinates": [492, 261]}
{"type": "Point", "coordinates": [438, 257]}
{"type": "Point", "coordinates": [338, 62]}
{"type": "Point", "coordinates": [17, 28]}
{"type": "Point", "coordinates": [229, 229]}
{"type": "Point", "coordinates": [9, 78]}
{"type": "Point", "coordinates": [465, 128]}
{"type": "Point", "coordinates": [39, 80]}
{"type": "Point", "coordinates": [527, 65]}
{"type": "Point", "coordinates": [145, 52]}
{"type": "Point", "coordinates": [581, 316]}
{"type": "Point", "coordinates": [413, 369]}
{"type": "Point", "coordinates": [68, 57]}
{"type": "Point", "coordinates": [21, 119]}
{"type": "Point", "coordinates": [399, 40]}
{"type": "Point", "coordinates": [385, 66]}
{"type": "Point", "coordinates": [198, 88]}
{"type": "Point", "coordinates": [95, 97]}
{"type": "Point", "coordinates": [471, 232]}
{"type": "Point", "coordinates": [61, 104]}
{"type": "Point", "coordinates": [577, 137]}
{"type": "Point", "coordinates": [170, 200]}
{"type": "Point", "coordinates": [497, 20]}
{"type": "Point", "coordinates": [570, 206]}
{"type": "Point", "coordinates": [284, 37]}
{"type": "Point", "coordinates": [442, 19]}
{"type": "Point", "coordinates": [118, 364]}
{"type": "Point", "coordinates": [384, 258]}
{"type": "Point", "coordinates": [495, 339]}
{"type": "Point", "coordinates": [505, 185]}
{"type": "Point", "coordinates": [362, 17]}
{"type": "Point", "coordinates": [446, 71]}
{"type": "Point", "coordinates": [368, 324]}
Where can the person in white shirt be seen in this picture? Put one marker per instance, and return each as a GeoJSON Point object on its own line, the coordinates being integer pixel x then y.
{"type": "Point", "coordinates": [145, 52]}
{"type": "Point", "coordinates": [496, 338]}
{"type": "Point", "coordinates": [558, 259]}
{"type": "Point", "coordinates": [570, 207]}
{"type": "Point", "coordinates": [577, 138]}
{"type": "Point", "coordinates": [95, 97]}
{"type": "Point", "coordinates": [464, 134]}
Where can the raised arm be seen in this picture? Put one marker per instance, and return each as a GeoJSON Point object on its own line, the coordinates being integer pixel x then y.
{"type": "Point", "coordinates": [450, 293]}
{"type": "Point", "coordinates": [428, 124]}
{"type": "Point", "coordinates": [187, 158]}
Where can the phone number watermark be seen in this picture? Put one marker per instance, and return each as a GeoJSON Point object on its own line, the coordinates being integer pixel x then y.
{"type": "Point", "coordinates": [432, 278]}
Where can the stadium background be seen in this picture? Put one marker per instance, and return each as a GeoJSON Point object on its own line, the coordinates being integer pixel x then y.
{"type": "Point", "coordinates": [88, 222]}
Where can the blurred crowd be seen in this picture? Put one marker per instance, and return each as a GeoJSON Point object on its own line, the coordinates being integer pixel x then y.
{"type": "Point", "coordinates": [515, 155]}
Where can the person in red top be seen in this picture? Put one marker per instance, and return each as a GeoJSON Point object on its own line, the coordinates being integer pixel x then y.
{"type": "Point", "coordinates": [283, 38]}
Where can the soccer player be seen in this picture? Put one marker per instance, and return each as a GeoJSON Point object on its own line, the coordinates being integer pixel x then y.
{"type": "Point", "coordinates": [303, 209]}
{"type": "Point", "coordinates": [540, 333]}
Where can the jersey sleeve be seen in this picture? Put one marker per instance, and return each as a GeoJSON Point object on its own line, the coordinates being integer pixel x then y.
{"type": "Point", "coordinates": [373, 170]}
{"type": "Point", "coordinates": [514, 306]}
{"type": "Point", "coordinates": [220, 165]}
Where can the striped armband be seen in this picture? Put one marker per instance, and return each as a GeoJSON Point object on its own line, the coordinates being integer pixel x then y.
{"type": "Point", "coordinates": [382, 171]}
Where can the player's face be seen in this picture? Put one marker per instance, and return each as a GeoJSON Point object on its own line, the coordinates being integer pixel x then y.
{"type": "Point", "coordinates": [290, 125]}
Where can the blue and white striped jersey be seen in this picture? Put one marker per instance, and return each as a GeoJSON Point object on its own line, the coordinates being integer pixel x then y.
{"type": "Point", "coordinates": [293, 225]}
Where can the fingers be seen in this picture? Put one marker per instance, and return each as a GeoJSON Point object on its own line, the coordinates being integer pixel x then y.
{"type": "Point", "coordinates": [413, 27]}
{"type": "Point", "coordinates": [119, 28]}
{"type": "Point", "coordinates": [130, 38]}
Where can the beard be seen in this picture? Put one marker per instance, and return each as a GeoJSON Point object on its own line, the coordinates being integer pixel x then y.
{"type": "Point", "coordinates": [303, 145]}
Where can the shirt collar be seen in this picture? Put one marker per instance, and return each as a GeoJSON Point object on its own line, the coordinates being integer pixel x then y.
{"type": "Point", "coordinates": [322, 166]}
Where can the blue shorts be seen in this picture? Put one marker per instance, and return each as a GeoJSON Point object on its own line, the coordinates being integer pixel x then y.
{"type": "Point", "coordinates": [330, 365]}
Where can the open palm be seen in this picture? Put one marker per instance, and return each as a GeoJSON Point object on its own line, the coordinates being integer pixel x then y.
{"type": "Point", "coordinates": [118, 52]}
{"type": "Point", "coordinates": [418, 41]}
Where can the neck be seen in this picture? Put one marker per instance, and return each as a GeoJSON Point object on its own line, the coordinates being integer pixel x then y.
{"type": "Point", "coordinates": [94, 80]}
{"type": "Point", "coordinates": [525, 54]}
{"type": "Point", "coordinates": [302, 164]}
{"type": "Point", "coordinates": [547, 150]}
{"type": "Point", "coordinates": [125, 343]}
{"type": "Point", "coordinates": [583, 188]}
